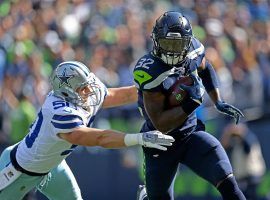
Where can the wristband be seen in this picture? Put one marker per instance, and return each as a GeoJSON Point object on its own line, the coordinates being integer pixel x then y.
{"type": "Point", "coordinates": [189, 106]}
{"type": "Point", "coordinates": [218, 103]}
{"type": "Point", "coordinates": [131, 139]}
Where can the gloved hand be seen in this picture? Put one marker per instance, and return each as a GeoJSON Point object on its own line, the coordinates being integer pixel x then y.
{"type": "Point", "coordinates": [229, 110]}
{"type": "Point", "coordinates": [195, 91]}
{"type": "Point", "coordinates": [151, 139]}
{"type": "Point", "coordinates": [155, 139]}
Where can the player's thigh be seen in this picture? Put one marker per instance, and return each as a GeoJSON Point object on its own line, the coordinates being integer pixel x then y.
{"type": "Point", "coordinates": [21, 186]}
{"type": "Point", "coordinates": [159, 169]}
{"type": "Point", "coordinates": [61, 184]}
{"type": "Point", "coordinates": [206, 157]}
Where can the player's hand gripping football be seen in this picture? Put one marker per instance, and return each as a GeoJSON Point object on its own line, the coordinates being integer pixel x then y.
{"type": "Point", "coordinates": [155, 139]}
{"type": "Point", "coordinates": [229, 110]}
{"type": "Point", "coordinates": [196, 90]}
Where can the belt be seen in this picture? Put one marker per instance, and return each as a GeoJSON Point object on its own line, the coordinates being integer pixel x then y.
{"type": "Point", "coordinates": [18, 167]}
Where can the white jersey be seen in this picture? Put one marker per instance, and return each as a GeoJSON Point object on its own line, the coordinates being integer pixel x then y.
{"type": "Point", "coordinates": [42, 149]}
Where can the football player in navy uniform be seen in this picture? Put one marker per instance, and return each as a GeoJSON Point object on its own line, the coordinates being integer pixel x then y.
{"type": "Point", "coordinates": [177, 53]}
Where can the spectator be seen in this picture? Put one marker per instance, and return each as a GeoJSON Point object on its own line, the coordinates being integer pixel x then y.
{"type": "Point", "coordinates": [246, 157]}
{"type": "Point", "coordinates": [22, 116]}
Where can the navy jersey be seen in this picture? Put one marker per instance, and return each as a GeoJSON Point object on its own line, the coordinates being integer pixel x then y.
{"type": "Point", "coordinates": [150, 72]}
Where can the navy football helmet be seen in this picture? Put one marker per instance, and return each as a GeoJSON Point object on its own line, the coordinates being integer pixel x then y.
{"type": "Point", "coordinates": [172, 36]}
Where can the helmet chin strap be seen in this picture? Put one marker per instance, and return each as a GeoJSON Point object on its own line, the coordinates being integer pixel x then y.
{"type": "Point", "coordinates": [166, 59]}
{"type": "Point", "coordinates": [88, 107]}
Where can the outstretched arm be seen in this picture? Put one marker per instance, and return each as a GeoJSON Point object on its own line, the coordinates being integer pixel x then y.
{"type": "Point", "coordinates": [114, 139]}
{"type": "Point", "coordinates": [120, 96]}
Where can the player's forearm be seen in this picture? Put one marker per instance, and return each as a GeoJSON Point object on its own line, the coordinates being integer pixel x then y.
{"type": "Point", "coordinates": [215, 95]}
{"type": "Point", "coordinates": [120, 96]}
{"type": "Point", "coordinates": [163, 119]}
{"type": "Point", "coordinates": [209, 76]}
{"type": "Point", "coordinates": [104, 138]}
{"type": "Point", "coordinates": [111, 139]}
{"type": "Point", "coordinates": [169, 119]}
{"type": "Point", "coordinates": [95, 137]}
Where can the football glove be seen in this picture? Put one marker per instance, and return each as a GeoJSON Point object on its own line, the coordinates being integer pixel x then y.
{"type": "Point", "coordinates": [195, 91]}
{"type": "Point", "coordinates": [150, 139]}
{"type": "Point", "coordinates": [155, 139]}
{"type": "Point", "coordinates": [230, 110]}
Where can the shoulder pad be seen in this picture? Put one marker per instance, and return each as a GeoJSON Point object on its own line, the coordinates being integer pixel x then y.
{"type": "Point", "coordinates": [196, 49]}
{"type": "Point", "coordinates": [149, 73]}
{"type": "Point", "coordinates": [57, 105]}
{"type": "Point", "coordinates": [66, 119]}
{"type": "Point", "coordinates": [62, 112]}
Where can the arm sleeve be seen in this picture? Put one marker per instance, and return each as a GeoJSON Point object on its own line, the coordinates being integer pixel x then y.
{"type": "Point", "coordinates": [209, 77]}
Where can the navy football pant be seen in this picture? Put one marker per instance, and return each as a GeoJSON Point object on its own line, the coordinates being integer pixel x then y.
{"type": "Point", "coordinates": [200, 151]}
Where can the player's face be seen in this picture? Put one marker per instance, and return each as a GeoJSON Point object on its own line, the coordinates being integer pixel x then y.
{"type": "Point", "coordinates": [85, 92]}
{"type": "Point", "coordinates": [90, 94]}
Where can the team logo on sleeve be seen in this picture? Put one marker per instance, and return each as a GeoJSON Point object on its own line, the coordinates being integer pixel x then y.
{"type": "Point", "coordinates": [141, 76]}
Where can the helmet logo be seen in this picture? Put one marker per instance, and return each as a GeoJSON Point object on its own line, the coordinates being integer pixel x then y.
{"type": "Point", "coordinates": [64, 78]}
{"type": "Point", "coordinates": [185, 24]}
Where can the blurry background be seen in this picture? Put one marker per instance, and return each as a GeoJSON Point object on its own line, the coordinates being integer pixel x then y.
{"type": "Point", "coordinates": [109, 36]}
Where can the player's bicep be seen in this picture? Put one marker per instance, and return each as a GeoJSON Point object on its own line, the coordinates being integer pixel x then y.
{"type": "Point", "coordinates": [66, 123]}
{"type": "Point", "coordinates": [65, 136]}
{"type": "Point", "coordinates": [154, 104]}
{"type": "Point", "coordinates": [73, 136]}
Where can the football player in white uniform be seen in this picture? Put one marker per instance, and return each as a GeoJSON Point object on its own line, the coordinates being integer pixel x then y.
{"type": "Point", "coordinates": [63, 122]}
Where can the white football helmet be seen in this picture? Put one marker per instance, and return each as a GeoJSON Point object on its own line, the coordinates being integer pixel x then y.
{"type": "Point", "coordinates": [68, 77]}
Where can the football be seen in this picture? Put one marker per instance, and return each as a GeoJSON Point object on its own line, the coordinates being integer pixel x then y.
{"type": "Point", "coordinates": [176, 94]}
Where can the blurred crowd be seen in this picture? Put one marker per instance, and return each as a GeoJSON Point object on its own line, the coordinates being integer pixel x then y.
{"type": "Point", "coordinates": [109, 35]}
{"type": "Point", "coordinates": [244, 151]}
